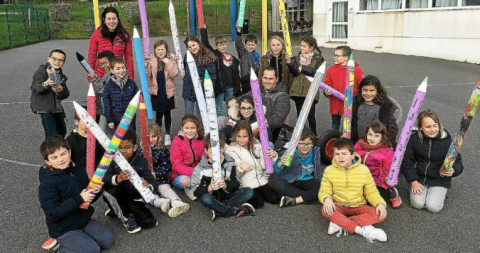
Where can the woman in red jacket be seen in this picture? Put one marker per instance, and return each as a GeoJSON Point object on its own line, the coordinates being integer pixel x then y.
{"type": "Point", "coordinates": [111, 35]}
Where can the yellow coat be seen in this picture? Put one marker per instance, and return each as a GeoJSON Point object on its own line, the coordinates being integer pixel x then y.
{"type": "Point", "coordinates": [350, 187]}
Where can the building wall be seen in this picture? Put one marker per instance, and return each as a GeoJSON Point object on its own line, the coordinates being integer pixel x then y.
{"type": "Point", "coordinates": [450, 34]}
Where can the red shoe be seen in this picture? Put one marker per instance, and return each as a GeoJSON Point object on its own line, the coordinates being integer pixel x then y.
{"type": "Point", "coordinates": [396, 202]}
{"type": "Point", "coordinates": [51, 244]}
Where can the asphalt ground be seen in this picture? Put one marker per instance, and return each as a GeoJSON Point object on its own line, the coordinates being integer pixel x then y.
{"type": "Point", "coordinates": [295, 229]}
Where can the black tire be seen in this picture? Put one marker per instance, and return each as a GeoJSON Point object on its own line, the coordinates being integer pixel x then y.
{"type": "Point", "coordinates": [324, 142]}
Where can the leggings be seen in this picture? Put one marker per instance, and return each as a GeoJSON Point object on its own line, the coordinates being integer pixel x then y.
{"type": "Point", "coordinates": [168, 120]}
{"type": "Point", "coordinates": [262, 194]}
{"type": "Point", "coordinates": [311, 114]}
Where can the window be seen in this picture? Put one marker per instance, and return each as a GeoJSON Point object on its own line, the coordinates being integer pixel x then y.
{"type": "Point", "coordinates": [417, 4]}
{"type": "Point", "coordinates": [444, 3]}
{"type": "Point", "coordinates": [368, 5]}
{"type": "Point", "coordinates": [391, 4]}
{"type": "Point", "coordinates": [470, 2]}
{"type": "Point", "coordinates": [340, 20]}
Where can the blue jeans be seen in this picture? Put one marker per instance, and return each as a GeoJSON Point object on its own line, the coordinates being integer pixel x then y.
{"type": "Point", "coordinates": [92, 238]}
{"type": "Point", "coordinates": [190, 106]}
{"type": "Point", "coordinates": [224, 96]}
{"type": "Point", "coordinates": [53, 124]}
{"type": "Point", "coordinates": [336, 119]}
{"type": "Point", "coordinates": [228, 207]}
{"type": "Point", "coordinates": [179, 182]}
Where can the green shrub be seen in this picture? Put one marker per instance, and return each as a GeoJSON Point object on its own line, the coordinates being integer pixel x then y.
{"type": "Point", "coordinates": [60, 12]}
{"type": "Point", "coordinates": [131, 12]}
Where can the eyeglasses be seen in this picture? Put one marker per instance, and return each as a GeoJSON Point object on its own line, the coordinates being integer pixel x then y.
{"type": "Point", "coordinates": [246, 109]}
{"type": "Point", "coordinates": [55, 59]}
{"type": "Point", "coordinates": [305, 145]}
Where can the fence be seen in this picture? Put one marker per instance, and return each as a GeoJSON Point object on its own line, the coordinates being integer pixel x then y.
{"type": "Point", "coordinates": [23, 24]}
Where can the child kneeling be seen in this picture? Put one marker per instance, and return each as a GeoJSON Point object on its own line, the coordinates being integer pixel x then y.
{"type": "Point", "coordinates": [346, 186]}
{"type": "Point", "coordinates": [224, 196]}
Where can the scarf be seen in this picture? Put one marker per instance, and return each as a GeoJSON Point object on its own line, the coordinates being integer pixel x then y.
{"type": "Point", "coordinates": [305, 59]}
{"type": "Point", "coordinates": [369, 147]}
{"type": "Point", "coordinates": [227, 61]}
{"type": "Point", "coordinates": [120, 82]}
{"type": "Point", "coordinates": [255, 57]}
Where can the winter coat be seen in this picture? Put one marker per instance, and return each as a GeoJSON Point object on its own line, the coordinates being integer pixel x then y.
{"type": "Point", "coordinates": [246, 63]}
{"type": "Point", "coordinates": [377, 160]}
{"type": "Point", "coordinates": [265, 61]}
{"type": "Point", "coordinates": [120, 48]}
{"type": "Point", "coordinates": [188, 90]}
{"type": "Point", "coordinates": [161, 165]}
{"type": "Point", "coordinates": [222, 80]}
{"type": "Point", "coordinates": [386, 116]}
{"type": "Point", "coordinates": [170, 68]}
{"type": "Point", "coordinates": [300, 84]}
{"type": "Point", "coordinates": [256, 177]}
{"type": "Point", "coordinates": [115, 100]}
{"type": "Point", "coordinates": [98, 85]}
{"type": "Point", "coordinates": [43, 99]}
{"type": "Point", "coordinates": [185, 154]}
{"type": "Point", "coordinates": [335, 78]}
{"type": "Point", "coordinates": [292, 173]}
{"type": "Point", "coordinates": [425, 156]}
{"type": "Point", "coordinates": [203, 174]}
{"type": "Point", "coordinates": [351, 187]}
{"type": "Point", "coordinates": [59, 196]}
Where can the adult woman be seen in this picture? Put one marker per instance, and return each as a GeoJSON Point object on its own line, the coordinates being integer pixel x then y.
{"type": "Point", "coordinates": [111, 35]}
{"type": "Point", "coordinates": [276, 58]}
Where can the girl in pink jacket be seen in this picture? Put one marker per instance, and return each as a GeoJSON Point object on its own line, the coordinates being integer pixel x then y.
{"type": "Point", "coordinates": [375, 150]}
{"type": "Point", "coordinates": [185, 153]}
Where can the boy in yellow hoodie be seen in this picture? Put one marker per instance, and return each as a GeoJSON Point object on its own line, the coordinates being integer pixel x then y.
{"type": "Point", "coordinates": [346, 187]}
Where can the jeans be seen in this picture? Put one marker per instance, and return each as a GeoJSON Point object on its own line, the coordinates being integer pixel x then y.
{"type": "Point", "coordinates": [224, 96]}
{"type": "Point", "coordinates": [190, 106]}
{"type": "Point", "coordinates": [336, 119]}
{"type": "Point", "coordinates": [181, 182]}
{"type": "Point", "coordinates": [92, 238]}
{"type": "Point", "coordinates": [228, 207]}
{"type": "Point", "coordinates": [54, 124]}
{"type": "Point", "coordinates": [432, 198]}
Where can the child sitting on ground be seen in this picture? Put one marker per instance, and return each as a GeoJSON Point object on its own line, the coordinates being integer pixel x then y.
{"type": "Point", "coordinates": [224, 196]}
{"type": "Point", "coordinates": [346, 187]}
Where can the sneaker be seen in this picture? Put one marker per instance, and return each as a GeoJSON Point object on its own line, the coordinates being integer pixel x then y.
{"type": "Point", "coordinates": [167, 140]}
{"type": "Point", "coordinates": [287, 201]}
{"type": "Point", "coordinates": [162, 203]}
{"type": "Point", "coordinates": [110, 213]}
{"type": "Point", "coordinates": [371, 234]}
{"type": "Point", "coordinates": [51, 245]}
{"type": "Point", "coordinates": [178, 207]}
{"type": "Point", "coordinates": [189, 193]}
{"type": "Point", "coordinates": [132, 226]}
{"type": "Point", "coordinates": [334, 228]}
{"type": "Point", "coordinates": [244, 210]}
{"type": "Point", "coordinates": [214, 215]}
{"type": "Point", "coordinates": [396, 201]}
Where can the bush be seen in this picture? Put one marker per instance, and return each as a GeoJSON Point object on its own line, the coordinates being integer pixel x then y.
{"type": "Point", "coordinates": [131, 12]}
{"type": "Point", "coordinates": [60, 12]}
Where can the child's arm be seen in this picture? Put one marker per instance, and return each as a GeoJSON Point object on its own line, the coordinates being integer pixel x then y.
{"type": "Point", "coordinates": [241, 50]}
{"type": "Point", "coordinates": [177, 159]}
{"type": "Point", "coordinates": [293, 67]}
{"type": "Point", "coordinates": [408, 163]}
{"type": "Point", "coordinates": [204, 38]}
{"type": "Point", "coordinates": [197, 182]}
{"type": "Point", "coordinates": [65, 92]}
{"type": "Point", "coordinates": [38, 79]}
{"type": "Point", "coordinates": [386, 164]}
{"type": "Point", "coordinates": [326, 188]}
{"type": "Point", "coordinates": [309, 71]}
{"type": "Point", "coordinates": [279, 165]}
{"type": "Point", "coordinates": [171, 67]}
{"type": "Point", "coordinates": [93, 50]}
{"type": "Point", "coordinates": [457, 166]}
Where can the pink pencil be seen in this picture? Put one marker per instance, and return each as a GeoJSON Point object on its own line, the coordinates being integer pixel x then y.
{"type": "Point", "coordinates": [92, 110]}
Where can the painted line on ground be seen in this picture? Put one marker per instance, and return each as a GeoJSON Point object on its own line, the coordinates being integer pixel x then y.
{"type": "Point", "coordinates": [19, 103]}
{"type": "Point", "coordinates": [431, 85]}
{"type": "Point", "coordinates": [21, 163]}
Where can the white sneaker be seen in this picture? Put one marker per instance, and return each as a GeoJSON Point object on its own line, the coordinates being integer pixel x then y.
{"type": "Point", "coordinates": [162, 203]}
{"type": "Point", "coordinates": [333, 228]}
{"type": "Point", "coordinates": [371, 234]}
{"type": "Point", "coordinates": [189, 193]}
{"type": "Point", "coordinates": [167, 140]}
{"type": "Point", "coordinates": [178, 207]}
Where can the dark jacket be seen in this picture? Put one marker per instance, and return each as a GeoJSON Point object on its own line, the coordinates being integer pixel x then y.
{"type": "Point", "coordinates": [268, 60]}
{"type": "Point", "coordinates": [162, 166]}
{"type": "Point", "coordinates": [59, 196]}
{"type": "Point", "coordinates": [425, 156]}
{"type": "Point", "coordinates": [188, 90]}
{"type": "Point", "coordinates": [203, 174]}
{"type": "Point", "coordinates": [246, 63]}
{"type": "Point", "coordinates": [78, 145]}
{"type": "Point", "coordinates": [43, 99]}
{"type": "Point", "coordinates": [98, 85]}
{"type": "Point", "coordinates": [386, 116]}
{"type": "Point", "coordinates": [222, 78]}
{"type": "Point", "coordinates": [292, 173]}
{"type": "Point", "coordinates": [115, 100]}
{"type": "Point", "coordinates": [300, 84]}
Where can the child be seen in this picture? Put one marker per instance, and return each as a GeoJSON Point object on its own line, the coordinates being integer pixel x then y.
{"type": "Point", "coordinates": [224, 197]}
{"type": "Point", "coordinates": [49, 88]}
{"type": "Point", "coordinates": [98, 82]}
{"type": "Point", "coordinates": [162, 168]}
{"type": "Point", "coordinates": [247, 112]}
{"type": "Point", "coordinates": [300, 182]}
{"type": "Point", "coordinates": [185, 152]}
{"type": "Point", "coordinates": [161, 71]}
{"type": "Point", "coordinates": [424, 156]}
{"type": "Point", "coordinates": [249, 58]}
{"type": "Point", "coordinates": [305, 64]}
{"type": "Point", "coordinates": [61, 191]}
{"type": "Point", "coordinates": [370, 104]}
{"type": "Point", "coordinates": [276, 58]}
{"type": "Point", "coordinates": [123, 200]}
{"type": "Point", "coordinates": [376, 153]}
{"type": "Point", "coordinates": [346, 187]}
{"type": "Point", "coordinates": [117, 94]}
{"type": "Point", "coordinates": [335, 78]}
{"type": "Point", "coordinates": [205, 61]}
{"type": "Point", "coordinates": [248, 156]}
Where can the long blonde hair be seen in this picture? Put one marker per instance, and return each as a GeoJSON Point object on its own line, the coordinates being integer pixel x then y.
{"type": "Point", "coordinates": [275, 37]}
{"type": "Point", "coordinates": [155, 129]}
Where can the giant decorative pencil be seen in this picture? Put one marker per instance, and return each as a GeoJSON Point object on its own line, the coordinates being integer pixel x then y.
{"type": "Point", "coordinates": [406, 132]}
{"type": "Point", "coordinates": [348, 102]}
{"type": "Point", "coordinates": [324, 86]}
{"type": "Point", "coordinates": [264, 26]}
{"type": "Point", "coordinates": [113, 146]}
{"type": "Point", "coordinates": [459, 137]}
{"type": "Point", "coordinates": [193, 25]}
{"type": "Point", "coordinates": [201, 21]}
{"type": "Point", "coordinates": [241, 13]}
{"type": "Point", "coordinates": [96, 13]}
{"type": "Point", "coordinates": [212, 116]}
{"type": "Point", "coordinates": [141, 70]}
{"type": "Point", "coordinates": [286, 32]}
{"type": "Point", "coordinates": [91, 108]}
{"type": "Point", "coordinates": [142, 113]}
{"type": "Point", "coordinates": [143, 20]}
{"type": "Point", "coordinates": [262, 124]}
{"type": "Point", "coordinates": [119, 159]}
{"type": "Point", "coordinates": [302, 118]}
{"type": "Point", "coordinates": [84, 63]}
{"type": "Point", "coordinates": [233, 18]}
{"type": "Point", "coordinates": [176, 41]}
{"type": "Point", "coordinates": [197, 85]}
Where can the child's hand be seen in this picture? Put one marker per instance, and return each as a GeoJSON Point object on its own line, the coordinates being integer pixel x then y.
{"type": "Point", "coordinates": [328, 206]}
{"type": "Point", "coordinates": [271, 153]}
{"type": "Point", "coordinates": [381, 211]}
{"type": "Point", "coordinates": [232, 102]}
{"type": "Point", "coordinates": [91, 75]}
{"type": "Point", "coordinates": [245, 167]}
{"type": "Point", "coordinates": [98, 187]}
{"type": "Point", "coordinates": [283, 159]}
{"type": "Point", "coordinates": [111, 125]}
{"type": "Point", "coordinates": [88, 195]}
{"type": "Point", "coordinates": [214, 185]}
{"type": "Point", "coordinates": [450, 173]}
{"type": "Point", "coordinates": [145, 183]}
{"type": "Point", "coordinates": [222, 184]}
{"type": "Point", "coordinates": [124, 175]}
{"type": "Point", "coordinates": [57, 89]}
{"type": "Point", "coordinates": [49, 82]}
{"type": "Point", "coordinates": [417, 188]}
{"type": "Point", "coordinates": [328, 92]}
